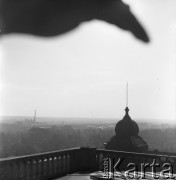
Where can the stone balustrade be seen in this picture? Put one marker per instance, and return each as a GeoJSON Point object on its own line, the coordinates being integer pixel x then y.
{"type": "Point", "coordinates": [128, 160]}
{"type": "Point", "coordinates": [40, 166]}
{"type": "Point", "coordinates": [59, 163]}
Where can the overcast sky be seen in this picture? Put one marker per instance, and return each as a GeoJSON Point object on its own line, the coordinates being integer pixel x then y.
{"type": "Point", "coordinates": [84, 73]}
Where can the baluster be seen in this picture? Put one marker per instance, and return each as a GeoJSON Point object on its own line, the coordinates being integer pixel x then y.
{"type": "Point", "coordinates": [52, 171]}
{"type": "Point", "coordinates": [101, 162]}
{"type": "Point", "coordinates": [158, 169]}
{"type": "Point", "coordinates": [21, 170]}
{"type": "Point", "coordinates": [42, 166]}
{"type": "Point", "coordinates": [143, 167]}
{"type": "Point", "coordinates": [34, 168]}
{"type": "Point", "coordinates": [98, 161]}
{"type": "Point", "coordinates": [97, 165]}
{"type": "Point", "coordinates": [37, 165]}
{"type": "Point", "coordinates": [64, 163]}
{"type": "Point", "coordinates": [114, 159]}
{"type": "Point", "coordinates": [68, 163]}
{"type": "Point", "coordinates": [135, 160]}
{"type": "Point", "coordinates": [125, 159]}
{"type": "Point", "coordinates": [13, 174]}
{"type": "Point", "coordinates": [7, 173]}
{"type": "Point", "coordinates": [50, 166]}
{"type": "Point", "coordinates": [47, 166]}
{"type": "Point", "coordinates": [31, 169]}
{"type": "Point", "coordinates": [59, 163]}
{"type": "Point", "coordinates": [24, 169]}
{"type": "Point", "coordinates": [137, 163]}
{"type": "Point", "coordinates": [55, 164]}
{"type": "Point", "coordinates": [28, 169]}
{"type": "Point", "coordinates": [16, 171]}
{"type": "Point", "coordinates": [140, 165]}
{"type": "Point", "coordinates": [109, 167]}
{"type": "Point", "coordinates": [149, 161]}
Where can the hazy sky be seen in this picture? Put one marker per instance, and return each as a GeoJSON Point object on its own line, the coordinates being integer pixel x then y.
{"type": "Point", "coordinates": [84, 73]}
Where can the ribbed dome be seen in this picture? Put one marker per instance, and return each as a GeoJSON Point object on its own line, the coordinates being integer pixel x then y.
{"type": "Point", "coordinates": [126, 127]}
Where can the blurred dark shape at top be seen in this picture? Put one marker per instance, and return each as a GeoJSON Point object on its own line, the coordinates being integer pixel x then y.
{"type": "Point", "coordinates": [55, 17]}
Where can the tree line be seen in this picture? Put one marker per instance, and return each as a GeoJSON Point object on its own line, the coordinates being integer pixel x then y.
{"type": "Point", "coordinates": [38, 140]}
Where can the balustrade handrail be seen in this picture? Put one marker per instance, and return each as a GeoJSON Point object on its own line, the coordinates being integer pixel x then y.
{"type": "Point", "coordinates": [135, 154]}
{"type": "Point", "coordinates": [38, 155]}
{"type": "Point", "coordinates": [72, 150]}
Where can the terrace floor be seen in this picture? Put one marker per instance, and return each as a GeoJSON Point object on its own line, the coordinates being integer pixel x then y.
{"type": "Point", "coordinates": [100, 176]}
{"type": "Point", "coordinates": [75, 176]}
{"type": "Point", "coordinates": [89, 176]}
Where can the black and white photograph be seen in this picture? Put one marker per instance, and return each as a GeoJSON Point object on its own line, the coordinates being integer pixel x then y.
{"type": "Point", "coordinates": [87, 89]}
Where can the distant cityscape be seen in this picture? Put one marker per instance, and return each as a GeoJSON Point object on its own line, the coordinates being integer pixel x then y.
{"type": "Point", "coordinates": [21, 135]}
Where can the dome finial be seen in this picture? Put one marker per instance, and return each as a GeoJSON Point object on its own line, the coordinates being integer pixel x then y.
{"type": "Point", "coordinates": [126, 110]}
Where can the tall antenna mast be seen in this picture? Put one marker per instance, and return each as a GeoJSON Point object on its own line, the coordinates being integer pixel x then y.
{"type": "Point", "coordinates": [127, 95]}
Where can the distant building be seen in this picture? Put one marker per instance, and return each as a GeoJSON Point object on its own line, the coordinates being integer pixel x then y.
{"type": "Point", "coordinates": [127, 138]}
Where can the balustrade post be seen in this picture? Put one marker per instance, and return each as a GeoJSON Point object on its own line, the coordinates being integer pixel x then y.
{"type": "Point", "coordinates": [42, 166]}
{"type": "Point", "coordinates": [47, 166]}
{"type": "Point", "coordinates": [52, 166]}
{"type": "Point", "coordinates": [20, 170]}
{"type": "Point", "coordinates": [5, 171]}
{"type": "Point", "coordinates": [7, 174]}
{"type": "Point", "coordinates": [63, 164]}
{"type": "Point", "coordinates": [31, 169]}
{"type": "Point", "coordinates": [58, 164]}
{"type": "Point", "coordinates": [74, 162]}
{"type": "Point", "coordinates": [87, 159]}
{"type": "Point", "coordinates": [37, 172]}
{"type": "Point", "coordinates": [68, 162]}
{"type": "Point", "coordinates": [25, 169]}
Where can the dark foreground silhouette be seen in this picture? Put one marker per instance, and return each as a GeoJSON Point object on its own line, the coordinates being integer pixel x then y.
{"type": "Point", "coordinates": [55, 17]}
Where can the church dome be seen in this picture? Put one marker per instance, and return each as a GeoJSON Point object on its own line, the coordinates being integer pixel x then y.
{"type": "Point", "coordinates": [126, 127]}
